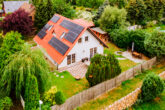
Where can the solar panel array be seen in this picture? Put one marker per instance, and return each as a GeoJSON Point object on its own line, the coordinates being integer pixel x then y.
{"type": "Point", "coordinates": [46, 27]}
{"type": "Point", "coordinates": [58, 45]}
{"type": "Point", "coordinates": [41, 34]}
{"type": "Point", "coordinates": [74, 30]}
{"type": "Point", "coordinates": [55, 18]}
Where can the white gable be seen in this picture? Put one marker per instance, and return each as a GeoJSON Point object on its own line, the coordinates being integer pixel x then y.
{"type": "Point", "coordinates": [82, 50]}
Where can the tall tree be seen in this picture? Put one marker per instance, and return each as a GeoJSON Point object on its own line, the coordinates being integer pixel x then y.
{"type": "Point", "coordinates": [49, 10]}
{"type": "Point", "coordinates": [31, 93]}
{"type": "Point", "coordinates": [119, 3]}
{"type": "Point", "coordinates": [23, 64]}
{"type": "Point", "coordinates": [113, 18]}
{"type": "Point", "coordinates": [18, 21]}
{"type": "Point", "coordinates": [136, 12]}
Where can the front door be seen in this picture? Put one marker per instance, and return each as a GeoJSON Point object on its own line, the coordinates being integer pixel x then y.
{"type": "Point", "coordinates": [93, 51]}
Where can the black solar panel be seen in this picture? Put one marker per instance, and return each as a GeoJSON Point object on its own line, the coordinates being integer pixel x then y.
{"type": "Point", "coordinates": [41, 34]}
{"type": "Point", "coordinates": [58, 45]}
{"type": "Point", "coordinates": [74, 30]}
{"type": "Point", "coordinates": [47, 26]}
{"type": "Point", "coordinates": [55, 19]}
{"type": "Point", "coordinates": [71, 36]}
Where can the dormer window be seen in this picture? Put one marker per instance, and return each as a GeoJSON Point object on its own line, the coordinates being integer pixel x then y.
{"type": "Point", "coordinates": [63, 34]}
{"type": "Point", "coordinates": [50, 27]}
{"type": "Point", "coordinates": [54, 34]}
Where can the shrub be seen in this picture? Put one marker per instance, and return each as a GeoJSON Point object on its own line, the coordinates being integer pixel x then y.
{"type": "Point", "coordinates": [18, 21]}
{"type": "Point", "coordinates": [31, 93]}
{"type": "Point", "coordinates": [121, 38]}
{"type": "Point", "coordinates": [49, 96]}
{"type": "Point", "coordinates": [155, 44]}
{"type": "Point", "coordinates": [5, 103]}
{"type": "Point", "coordinates": [102, 68]}
{"type": "Point", "coordinates": [59, 98]}
{"type": "Point", "coordinates": [152, 86]}
{"type": "Point", "coordinates": [45, 107]}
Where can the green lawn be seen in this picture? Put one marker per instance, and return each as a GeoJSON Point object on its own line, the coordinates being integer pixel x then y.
{"type": "Point", "coordinates": [151, 29]}
{"type": "Point", "coordinates": [68, 85]}
{"type": "Point", "coordinates": [119, 92]}
{"type": "Point", "coordinates": [125, 64]}
{"type": "Point", "coordinates": [157, 104]}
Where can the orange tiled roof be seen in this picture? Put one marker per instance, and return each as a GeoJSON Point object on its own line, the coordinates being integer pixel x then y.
{"type": "Point", "coordinates": [53, 53]}
{"type": "Point", "coordinates": [84, 22]}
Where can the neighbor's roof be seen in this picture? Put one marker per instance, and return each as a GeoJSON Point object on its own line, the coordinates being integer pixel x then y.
{"type": "Point", "coordinates": [28, 7]}
{"type": "Point", "coordinates": [97, 29]}
{"type": "Point", "coordinates": [84, 22]}
{"type": "Point", "coordinates": [49, 37]}
{"type": "Point", "coordinates": [11, 6]}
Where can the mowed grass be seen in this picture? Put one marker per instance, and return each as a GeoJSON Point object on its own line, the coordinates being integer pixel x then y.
{"type": "Point", "coordinates": [68, 85]}
{"type": "Point", "coordinates": [117, 93]}
{"type": "Point", "coordinates": [124, 64]}
{"type": "Point", "coordinates": [157, 104]}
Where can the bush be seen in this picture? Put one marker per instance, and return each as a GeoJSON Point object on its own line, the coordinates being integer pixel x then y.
{"type": "Point", "coordinates": [102, 68]}
{"type": "Point", "coordinates": [124, 38]}
{"type": "Point", "coordinates": [18, 21]}
{"type": "Point", "coordinates": [31, 93]}
{"type": "Point", "coordinates": [121, 38]}
{"type": "Point", "coordinates": [45, 107]}
{"type": "Point", "coordinates": [59, 98]}
{"type": "Point", "coordinates": [5, 103]}
{"type": "Point", "coordinates": [152, 86]}
{"type": "Point", "coordinates": [49, 96]}
{"type": "Point", "coordinates": [155, 44]}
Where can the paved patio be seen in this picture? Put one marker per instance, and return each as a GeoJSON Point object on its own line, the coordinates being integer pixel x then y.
{"type": "Point", "coordinates": [76, 70]}
{"type": "Point", "coordinates": [129, 56]}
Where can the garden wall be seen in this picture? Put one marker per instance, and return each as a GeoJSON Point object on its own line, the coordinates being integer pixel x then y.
{"type": "Point", "coordinates": [95, 91]}
{"type": "Point", "coordinates": [128, 100]}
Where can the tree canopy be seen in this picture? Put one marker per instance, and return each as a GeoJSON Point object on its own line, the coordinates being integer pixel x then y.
{"type": "Point", "coordinates": [113, 18]}
{"type": "Point", "coordinates": [18, 21]}
{"type": "Point", "coordinates": [23, 64]}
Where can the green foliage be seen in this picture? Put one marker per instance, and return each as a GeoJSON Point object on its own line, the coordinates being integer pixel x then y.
{"type": "Point", "coordinates": [112, 18]}
{"type": "Point", "coordinates": [136, 12]}
{"type": "Point", "coordinates": [124, 38]}
{"type": "Point", "coordinates": [102, 68]}
{"type": "Point", "coordinates": [59, 98]}
{"type": "Point", "coordinates": [119, 3]}
{"type": "Point", "coordinates": [155, 9]}
{"type": "Point", "coordinates": [155, 44]}
{"type": "Point", "coordinates": [5, 103]}
{"type": "Point", "coordinates": [152, 86]}
{"type": "Point", "coordinates": [49, 96]}
{"type": "Point", "coordinates": [100, 11]}
{"type": "Point", "coordinates": [1, 40]}
{"type": "Point", "coordinates": [63, 8]}
{"type": "Point", "coordinates": [45, 107]}
{"type": "Point", "coordinates": [44, 12]}
{"type": "Point", "coordinates": [22, 64]}
{"type": "Point", "coordinates": [12, 43]}
{"type": "Point", "coordinates": [31, 93]}
{"type": "Point", "coordinates": [89, 3]}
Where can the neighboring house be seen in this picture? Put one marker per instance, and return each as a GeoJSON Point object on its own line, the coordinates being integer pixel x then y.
{"type": "Point", "coordinates": [29, 8]}
{"type": "Point", "coordinates": [68, 41]}
{"type": "Point", "coordinates": [11, 6]}
{"type": "Point", "coordinates": [102, 34]}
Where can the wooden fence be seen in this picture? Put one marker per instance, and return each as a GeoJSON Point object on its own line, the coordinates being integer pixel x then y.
{"type": "Point", "coordinates": [95, 91]}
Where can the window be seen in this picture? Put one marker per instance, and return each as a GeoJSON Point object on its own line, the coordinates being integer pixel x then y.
{"type": "Point", "coordinates": [95, 50]}
{"type": "Point", "coordinates": [50, 27]}
{"type": "Point", "coordinates": [54, 34]}
{"type": "Point", "coordinates": [86, 38]}
{"type": "Point", "coordinates": [80, 40]}
{"type": "Point", "coordinates": [63, 34]}
{"type": "Point", "coordinates": [73, 58]}
{"type": "Point", "coordinates": [68, 59]}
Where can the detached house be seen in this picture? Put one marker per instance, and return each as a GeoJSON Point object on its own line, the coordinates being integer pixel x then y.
{"type": "Point", "coordinates": [67, 42]}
